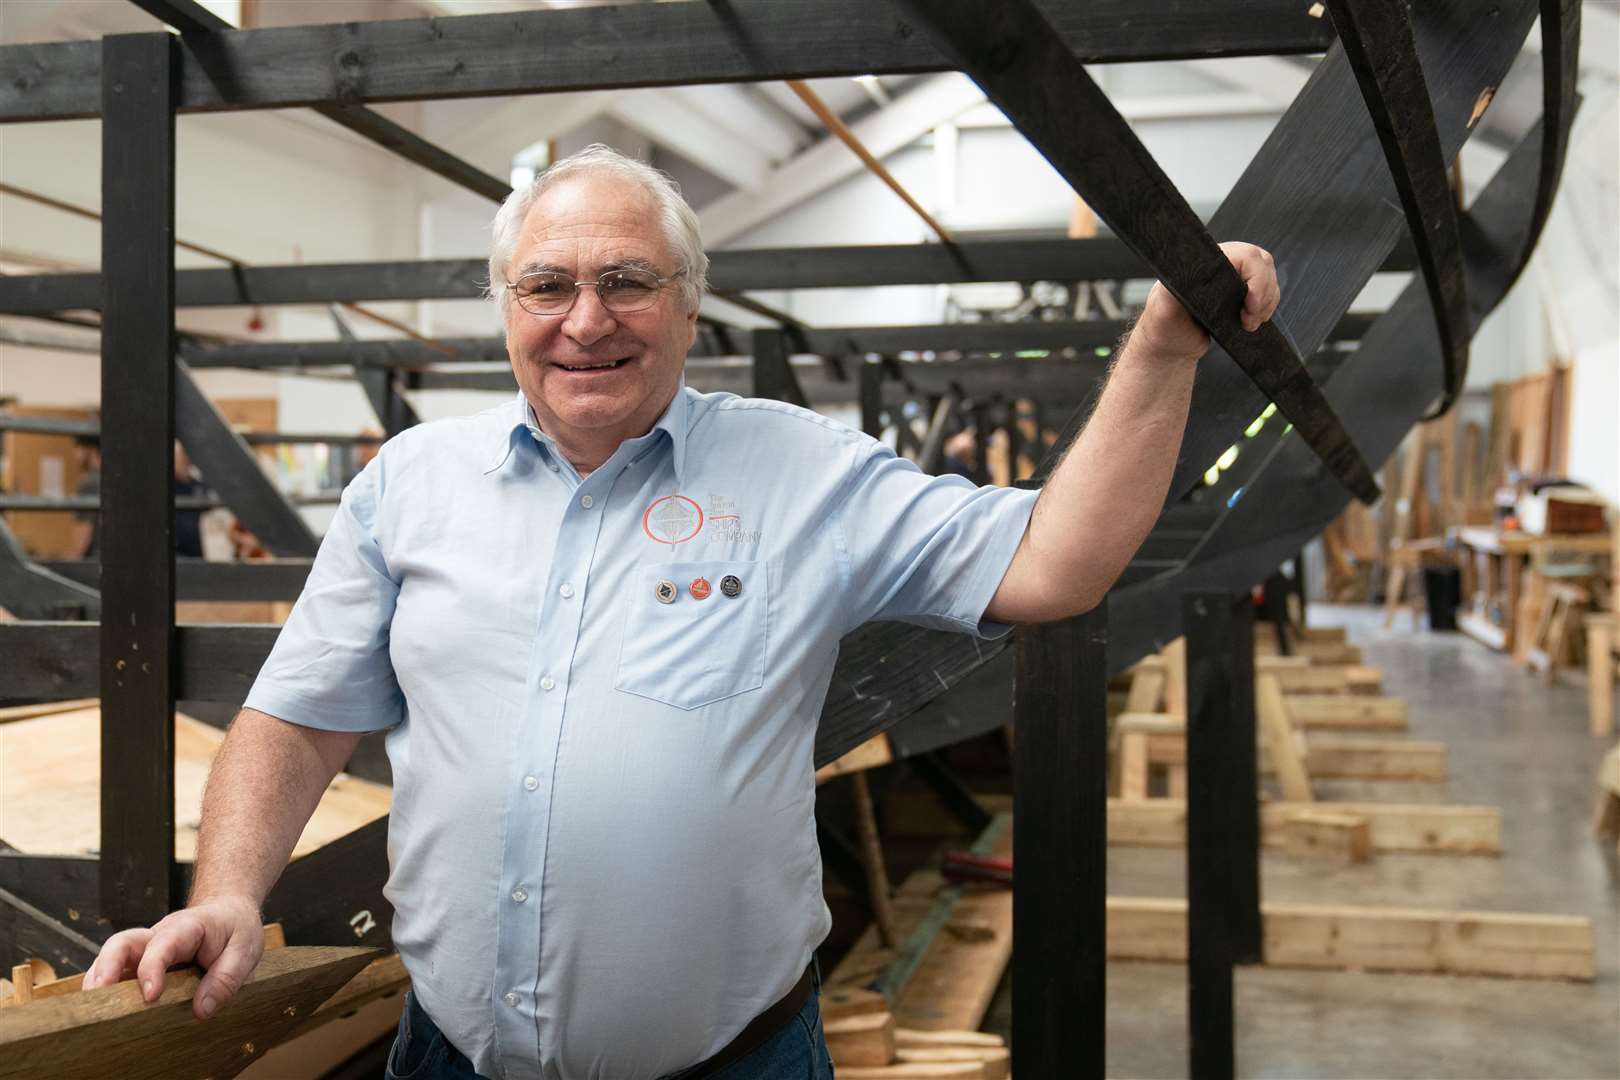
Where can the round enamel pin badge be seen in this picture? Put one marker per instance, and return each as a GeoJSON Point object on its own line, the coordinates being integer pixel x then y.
{"type": "Point", "coordinates": [700, 588]}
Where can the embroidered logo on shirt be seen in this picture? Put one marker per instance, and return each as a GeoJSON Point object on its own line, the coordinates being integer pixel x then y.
{"type": "Point", "coordinates": [673, 519]}
{"type": "Point", "coordinates": [725, 523]}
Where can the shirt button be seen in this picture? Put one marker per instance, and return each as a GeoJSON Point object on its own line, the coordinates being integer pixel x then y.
{"type": "Point", "coordinates": [510, 998]}
{"type": "Point", "coordinates": [586, 501]}
{"type": "Point", "coordinates": [548, 683]}
{"type": "Point", "coordinates": [565, 590]}
{"type": "Point", "coordinates": [520, 895]}
{"type": "Point", "coordinates": [530, 783]}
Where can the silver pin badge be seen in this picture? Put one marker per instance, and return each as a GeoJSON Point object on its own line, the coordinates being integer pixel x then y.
{"type": "Point", "coordinates": [666, 592]}
{"type": "Point", "coordinates": [731, 585]}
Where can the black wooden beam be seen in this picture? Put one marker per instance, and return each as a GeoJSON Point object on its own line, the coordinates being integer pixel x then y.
{"type": "Point", "coordinates": [137, 684]}
{"type": "Point", "coordinates": [31, 591]}
{"type": "Point", "coordinates": [773, 375]}
{"type": "Point", "coordinates": [597, 48]}
{"type": "Point", "coordinates": [231, 469]}
{"type": "Point", "coordinates": [869, 379]}
{"type": "Point", "coordinates": [729, 270]}
{"type": "Point", "coordinates": [1376, 36]}
{"type": "Point", "coordinates": [1060, 848]}
{"type": "Point", "coordinates": [312, 911]}
{"type": "Point", "coordinates": [26, 931]}
{"type": "Point", "coordinates": [191, 18]}
{"type": "Point", "coordinates": [200, 579]}
{"type": "Point", "coordinates": [1029, 71]}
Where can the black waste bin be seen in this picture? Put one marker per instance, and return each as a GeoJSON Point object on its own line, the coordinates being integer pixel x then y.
{"type": "Point", "coordinates": [1442, 589]}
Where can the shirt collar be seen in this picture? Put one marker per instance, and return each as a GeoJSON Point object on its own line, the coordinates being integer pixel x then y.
{"type": "Point", "coordinates": [517, 418]}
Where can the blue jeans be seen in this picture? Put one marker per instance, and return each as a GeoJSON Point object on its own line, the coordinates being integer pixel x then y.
{"type": "Point", "coordinates": [796, 1052]}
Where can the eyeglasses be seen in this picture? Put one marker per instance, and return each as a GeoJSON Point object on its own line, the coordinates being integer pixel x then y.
{"type": "Point", "coordinates": [620, 291]}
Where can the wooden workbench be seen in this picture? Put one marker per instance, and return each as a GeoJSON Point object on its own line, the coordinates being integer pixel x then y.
{"type": "Point", "coordinates": [1492, 563]}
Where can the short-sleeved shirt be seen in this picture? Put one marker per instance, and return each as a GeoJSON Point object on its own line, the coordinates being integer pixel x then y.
{"type": "Point", "coordinates": [603, 696]}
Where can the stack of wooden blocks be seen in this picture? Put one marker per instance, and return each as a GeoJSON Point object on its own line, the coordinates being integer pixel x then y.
{"type": "Point", "coordinates": [866, 1044]}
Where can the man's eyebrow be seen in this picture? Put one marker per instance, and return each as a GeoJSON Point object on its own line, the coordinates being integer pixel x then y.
{"type": "Point", "coordinates": [540, 267]}
{"type": "Point", "coordinates": [629, 262]}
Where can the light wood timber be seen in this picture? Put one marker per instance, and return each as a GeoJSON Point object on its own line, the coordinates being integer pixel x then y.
{"type": "Point", "coordinates": [1175, 672]}
{"type": "Point", "coordinates": [836, 1004]}
{"type": "Point", "coordinates": [46, 984]}
{"type": "Point", "coordinates": [1348, 679]}
{"type": "Point", "coordinates": [1369, 758]}
{"type": "Point", "coordinates": [868, 755]}
{"type": "Point", "coordinates": [1147, 691]}
{"type": "Point", "coordinates": [1606, 820]}
{"type": "Point", "coordinates": [1281, 741]}
{"type": "Point", "coordinates": [861, 1040]}
{"type": "Point", "coordinates": [1347, 712]}
{"type": "Point", "coordinates": [1321, 633]}
{"type": "Point", "coordinates": [1422, 828]}
{"type": "Point", "coordinates": [1600, 643]}
{"type": "Point", "coordinates": [1316, 652]}
{"type": "Point", "coordinates": [1329, 834]}
{"type": "Point", "coordinates": [910, 1037]}
{"type": "Point", "coordinates": [78, 1035]}
{"type": "Point", "coordinates": [46, 708]}
{"type": "Point", "coordinates": [877, 873]}
{"type": "Point", "coordinates": [952, 985]}
{"type": "Point", "coordinates": [995, 1061]}
{"type": "Point", "coordinates": [50, 787]}
{"type": "Point", "coordinates": [1374, 939]}
{"type": "Point", "coordinates": [916, 1070]}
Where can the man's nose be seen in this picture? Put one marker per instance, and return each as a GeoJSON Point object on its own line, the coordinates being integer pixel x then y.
{"type": "Point", "coordinates": [588, 322]}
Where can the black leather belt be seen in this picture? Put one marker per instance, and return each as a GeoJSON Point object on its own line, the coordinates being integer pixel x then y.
{"type": "Point", "coordinates": [759, 1028]}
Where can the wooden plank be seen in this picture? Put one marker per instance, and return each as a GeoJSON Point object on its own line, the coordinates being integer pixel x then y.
{"type": "Point", "coordinates": [1147, 691]}
{"type": "Point", "coordinates": [869, 755]}
{"type": "Point", "coordinates": [1060, 709]}
{"type": "Point", "coordinates": [951, 988]}
{"type": "Point", "coordinates": [1281, 741]}
{"type": "Point", "coordinates": [137, 638]}
{"type": "Point", "coordinates": [996, 1062]}
{"type": "Point", "coordinates": [50, 787]}
{"type": "Point", "coordinates": [939, 1070]}
{"type": "Point", "coordinates": [1418, 828]}
{"type": "Point", "coordinates": [49, 708]}
{"type": "Point", "coordinates": [538, 52]}
{"type": "Point", "coordinates": [1335, 712]}
{"type": "Point", "coordinates": [861, 1040]}
{"type": "Point", "coordinates": [1331, 834]}
{"type": "Point", "coordinates": [76, 1035]}
{"type": "Point", "coordinates": [1350, 757]}
{"type": "Point", "coordinates": [1343, 937]}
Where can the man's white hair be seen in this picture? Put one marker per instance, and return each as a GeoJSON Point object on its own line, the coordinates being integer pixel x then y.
{"type": "Point", "coordinates": [679, 221]}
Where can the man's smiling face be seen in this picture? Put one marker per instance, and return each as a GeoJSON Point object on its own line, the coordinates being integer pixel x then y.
{"type": "Point", "coordinates": [590, 373]}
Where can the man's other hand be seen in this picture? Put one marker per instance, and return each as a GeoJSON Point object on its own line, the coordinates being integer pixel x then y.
{"type": "Point", "coordinates": [223, 934]}
{"type": "Point", "coordinates": [1165, 330]}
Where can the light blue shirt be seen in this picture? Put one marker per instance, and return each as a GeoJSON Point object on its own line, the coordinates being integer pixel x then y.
{"type": "Point", "coordinates": [602, 849]}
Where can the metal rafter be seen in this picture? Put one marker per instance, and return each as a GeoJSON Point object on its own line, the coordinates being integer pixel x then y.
{"type": "Point", "coordinates": [1028, 70]}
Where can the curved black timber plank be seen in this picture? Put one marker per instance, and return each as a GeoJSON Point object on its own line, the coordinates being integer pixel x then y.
{"type": "Point", "coordinates": [1021, 63]}
{"type": "Point", "coordinates": [1318, 195]}
{"type": "Point", "coordinates": [597, 48]}
{"type": "Point", "coordinates": [1376, 36]}
{"type": "Point", "coordinates": [1560, 65]}
{"type": "Point", "coordinates": [1384, 388]}
{"type": "Point", "coordinates": [230, 468]}
{"type": "Point", "coordinates": [732, 270]}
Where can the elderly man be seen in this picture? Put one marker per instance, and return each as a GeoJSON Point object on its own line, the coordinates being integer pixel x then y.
{"type": "Point", "coordinates": [598, 623]}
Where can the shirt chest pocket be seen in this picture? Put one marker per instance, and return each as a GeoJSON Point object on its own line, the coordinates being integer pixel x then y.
{"type": "Point", "coordinates": [695, 632]}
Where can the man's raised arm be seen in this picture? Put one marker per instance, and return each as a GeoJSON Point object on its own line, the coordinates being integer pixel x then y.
{"type": "Point", "coordinates": [1099, 503]}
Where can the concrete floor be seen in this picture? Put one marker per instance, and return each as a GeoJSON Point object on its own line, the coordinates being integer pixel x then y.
{"type": "Point", "coordinates": [1514, 744]}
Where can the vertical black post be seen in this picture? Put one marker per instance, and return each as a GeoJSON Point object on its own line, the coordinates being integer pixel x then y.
{"type": "Point", "coordinates": [1060, 848]}
{"type": "Point", "coordinates": [1015, 441]}
{"type": "Point", "coordinates": [138, 96]}
{"type": "Point", "coordinates": [773, 372]}
{"type": "Point", "coordinates": [1223, 823]}
{"type": "Point", "coordinates": [871, 390]}
{"type": "Point", "coordinates": [981, 442]}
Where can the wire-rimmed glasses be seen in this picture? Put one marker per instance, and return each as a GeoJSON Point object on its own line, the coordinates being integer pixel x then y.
{"type": "Point", "coordinates": [550, 292]}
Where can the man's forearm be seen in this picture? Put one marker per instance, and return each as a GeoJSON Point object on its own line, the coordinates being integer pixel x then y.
{"type": "Point", "coordinates": [1100, 502]}
{"type": "Point", "coordinates": [265, 783]}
